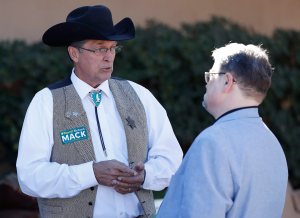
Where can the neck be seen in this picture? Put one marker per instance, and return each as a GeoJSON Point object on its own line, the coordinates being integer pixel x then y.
{"type": "Point", "coordinates": [234, 105]}
{"type": "Point", "coordinates": [233, 110]}
{"type": "Point", "coordinates": [87, 80]}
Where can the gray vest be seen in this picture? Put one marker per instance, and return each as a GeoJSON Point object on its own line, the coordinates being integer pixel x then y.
{"type": "Point", "coordinates": [70, 121]}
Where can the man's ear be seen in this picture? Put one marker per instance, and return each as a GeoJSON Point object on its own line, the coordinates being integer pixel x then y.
{"type": "Point", "coordinates": [73, 53]}
{"type": "Point", "coordinates": [229, 82]}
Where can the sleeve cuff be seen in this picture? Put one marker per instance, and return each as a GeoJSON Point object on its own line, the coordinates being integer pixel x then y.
{"type": "Point", "coordinates": [147, 180]}
{"type": "Point", "coordinates": [84, 175]}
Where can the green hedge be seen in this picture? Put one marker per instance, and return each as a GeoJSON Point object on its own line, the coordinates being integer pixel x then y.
{"type": "Point", "coordinates": [170, 62]}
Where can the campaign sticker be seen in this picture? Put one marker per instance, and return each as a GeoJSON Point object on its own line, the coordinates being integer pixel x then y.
{"type": "Point", "coordinates": [73, 135]}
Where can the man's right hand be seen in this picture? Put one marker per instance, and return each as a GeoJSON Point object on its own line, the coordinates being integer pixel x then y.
{"type": "Point", "coordinates": [107, 172]}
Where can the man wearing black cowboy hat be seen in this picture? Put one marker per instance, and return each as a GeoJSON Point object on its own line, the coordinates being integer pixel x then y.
{"type": "Point", "coordinates": [92, 146]}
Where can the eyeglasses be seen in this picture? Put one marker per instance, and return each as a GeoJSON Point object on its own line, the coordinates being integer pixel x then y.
{"type": "Point", "coordinates": [207, 75]}
{"type": "Point", "coordinates": [103, 51]}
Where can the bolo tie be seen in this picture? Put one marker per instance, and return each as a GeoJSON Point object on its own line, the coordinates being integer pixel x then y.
{"type": "Point", "coordinates": [96, 96]}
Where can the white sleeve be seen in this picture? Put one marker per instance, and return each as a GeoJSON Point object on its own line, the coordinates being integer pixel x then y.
{"type": "Point", "coordinates": [38, 177]}
{"type": "Point", "coordinates": [164, 151]}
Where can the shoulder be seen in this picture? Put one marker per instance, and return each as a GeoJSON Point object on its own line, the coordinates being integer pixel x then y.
{"type": "Point", "coordinates": [212, 141]}
{"type": "Point", "coordinates": [154, 110]}
{"type": "Point", "coordinates": [41, 102]}
{"type": "Point", "coordinates": [43, 95]}
{"type": "Point", "coordinates": [211, 135]}
{"type": "Point", "coordinates": [143, 93]}
{"type": "Point", "coordinates": [139, 88]}
{"type": "Point", "coordinates": [148, 99]}
{"type": "Point", "coordinates": [59, 84]}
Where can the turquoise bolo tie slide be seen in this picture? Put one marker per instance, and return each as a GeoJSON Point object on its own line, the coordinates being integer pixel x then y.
{"type": "Point", "coordinates": [96, 97]}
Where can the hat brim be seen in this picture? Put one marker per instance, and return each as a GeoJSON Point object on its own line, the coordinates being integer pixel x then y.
{"type": "Point", "coordinates": [63, 34]}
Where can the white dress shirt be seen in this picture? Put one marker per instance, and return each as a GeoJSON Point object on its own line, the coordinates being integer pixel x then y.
{"type": "Point", "coordinates": [40, 178]}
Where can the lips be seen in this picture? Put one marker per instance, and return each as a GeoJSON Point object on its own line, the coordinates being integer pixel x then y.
{"type": "Point", "coordinates": [106, 68]}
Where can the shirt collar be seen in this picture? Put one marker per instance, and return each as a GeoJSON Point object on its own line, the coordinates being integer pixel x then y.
{"type": "Point", "coordinates": [83, 88]}
{"type": "Point", "coordinates": [251, 111]}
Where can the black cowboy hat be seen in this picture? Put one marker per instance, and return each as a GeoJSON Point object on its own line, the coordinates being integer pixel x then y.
{"type": "Point", "coordinates": [89, 22]}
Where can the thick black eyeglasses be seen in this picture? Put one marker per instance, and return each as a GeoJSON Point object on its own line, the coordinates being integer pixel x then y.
{"type": "Point", "coordinates": [207, 75]}
{"type": "Point", "coordinates": [103, 51]}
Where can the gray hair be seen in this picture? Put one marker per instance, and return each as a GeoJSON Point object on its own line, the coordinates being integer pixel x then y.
{"type": "Point", "coordinates": [249, 65]}
{"type": "Point", "coordinates": [78, 43]}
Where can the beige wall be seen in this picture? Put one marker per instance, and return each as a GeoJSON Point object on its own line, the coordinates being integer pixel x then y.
{"type": "Point", "coordinates": [28, 19]}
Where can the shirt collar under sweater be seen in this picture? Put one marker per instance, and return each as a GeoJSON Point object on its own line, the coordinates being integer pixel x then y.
{"type": "Point", "coordinates": [249, 112]}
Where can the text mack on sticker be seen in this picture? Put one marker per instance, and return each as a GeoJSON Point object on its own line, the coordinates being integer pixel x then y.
{"type": "Point", "coordinates": [73, 135]}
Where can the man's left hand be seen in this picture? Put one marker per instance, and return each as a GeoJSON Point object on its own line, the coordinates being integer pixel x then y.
{"type": "Point", "coordinates": [128, 184]}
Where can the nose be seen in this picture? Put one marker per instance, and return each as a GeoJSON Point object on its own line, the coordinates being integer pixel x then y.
{"type": "Point", "coordinates": [109, 56]}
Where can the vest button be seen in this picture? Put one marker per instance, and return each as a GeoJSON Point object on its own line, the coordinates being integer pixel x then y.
{"type": "Point", "coordinates": [92, 188]}
{"type": "Point", "coordinates": [90, 203]}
